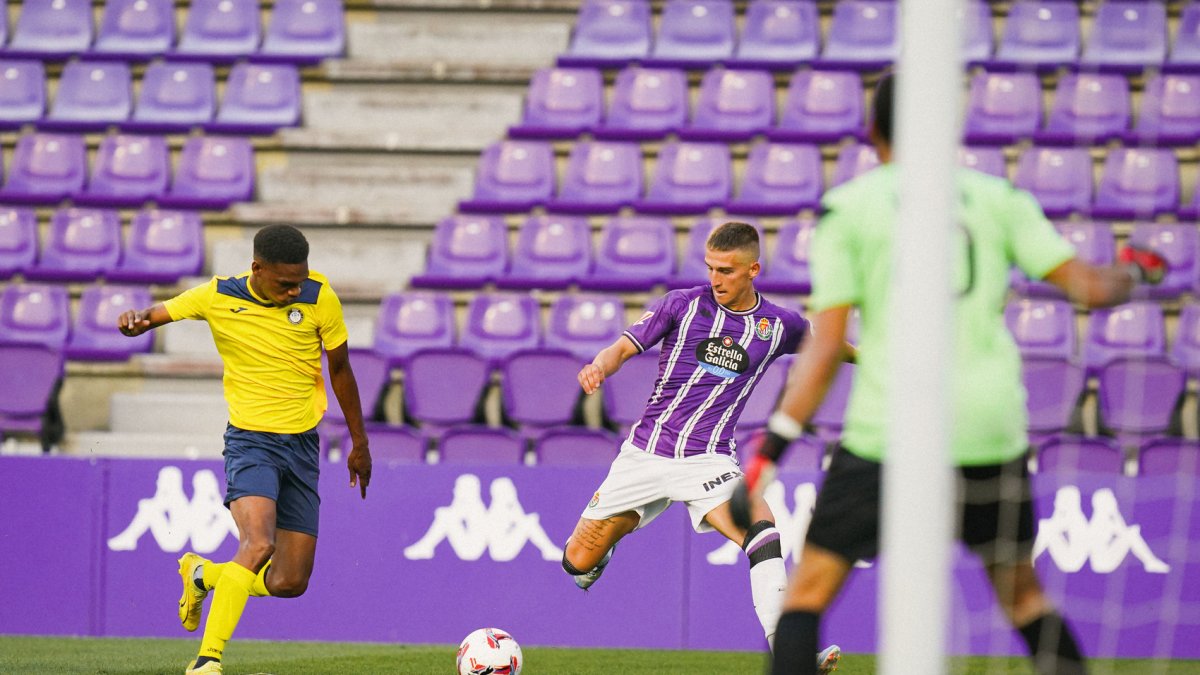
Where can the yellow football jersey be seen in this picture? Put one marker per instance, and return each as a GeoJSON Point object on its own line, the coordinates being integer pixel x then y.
{"type": "Point", "coordinates": [272, 354]}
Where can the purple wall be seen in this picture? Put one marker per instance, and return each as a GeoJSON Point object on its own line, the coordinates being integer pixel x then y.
{"type": "Point", "coordinates": [96, 543]}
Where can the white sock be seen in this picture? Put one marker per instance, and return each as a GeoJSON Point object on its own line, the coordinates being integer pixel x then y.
{"type": "Point", "coordinates": [768, 578]}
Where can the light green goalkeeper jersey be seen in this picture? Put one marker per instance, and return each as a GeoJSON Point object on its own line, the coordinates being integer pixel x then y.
{"type": "Point", "coordinates": [851, 265]}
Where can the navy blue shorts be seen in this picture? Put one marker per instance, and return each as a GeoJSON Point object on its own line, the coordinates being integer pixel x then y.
{"type": "Point", "coordinates": [281, 467]}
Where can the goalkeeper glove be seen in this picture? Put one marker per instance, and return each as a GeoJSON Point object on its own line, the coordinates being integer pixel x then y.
{"type": "Point", "coordinates": [1146, 266]}
{"type": "Point", "coordinates": [760, 471]}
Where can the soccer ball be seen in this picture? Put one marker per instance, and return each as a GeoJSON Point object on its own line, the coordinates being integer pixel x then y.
{"type": "Point", "coordinates": [489, 651]}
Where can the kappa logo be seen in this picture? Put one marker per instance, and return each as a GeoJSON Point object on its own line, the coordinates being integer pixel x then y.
{"type": "Point", "coordinates": [642, 320]}
{"type": "Point", "coordinates": [1103, 541]}
{"type": "Point", "coordinates": [172, 519]}
{"type": "Point", "coordinates": [501, 528]}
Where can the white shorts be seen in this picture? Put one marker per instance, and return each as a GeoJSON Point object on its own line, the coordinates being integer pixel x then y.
{"type": "Point", "coordinates": [647, 484]}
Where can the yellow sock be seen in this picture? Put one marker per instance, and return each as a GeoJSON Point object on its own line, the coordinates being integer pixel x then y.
{"type": "Point", "coordinates": [229, 600]}
{"type": "Point", "coordinates": [259, 589]}
{"type": "Point", "coordinates": [210, 572]}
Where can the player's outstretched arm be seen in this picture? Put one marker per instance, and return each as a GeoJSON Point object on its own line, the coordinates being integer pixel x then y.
{"type": "Point", "coordinates": [1106, 286]}
{"type": "Point", "coordinates": [608, 361]}
{"type": "Point", "coordinates": [345, 388]}
{"type": "Point", "coordinates": [134, 322]}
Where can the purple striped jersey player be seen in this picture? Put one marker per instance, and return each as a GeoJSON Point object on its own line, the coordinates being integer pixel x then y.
{"type": "Point", "coordinates": [717, 341]}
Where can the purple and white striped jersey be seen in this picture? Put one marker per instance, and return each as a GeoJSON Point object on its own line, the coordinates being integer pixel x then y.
{"type": "Point", "coordinates": [711, 359]}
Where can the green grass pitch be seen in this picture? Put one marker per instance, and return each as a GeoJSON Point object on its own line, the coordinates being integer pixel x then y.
{"type": "Point", "coordinates": [150, 657]}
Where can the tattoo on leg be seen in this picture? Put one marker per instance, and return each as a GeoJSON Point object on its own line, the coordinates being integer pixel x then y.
{"type": "Point", "coordinates": [591, 533]}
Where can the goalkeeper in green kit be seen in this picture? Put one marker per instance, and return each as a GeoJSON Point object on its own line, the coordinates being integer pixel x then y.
{"type": "Point", "coordinates": [1001, 226]}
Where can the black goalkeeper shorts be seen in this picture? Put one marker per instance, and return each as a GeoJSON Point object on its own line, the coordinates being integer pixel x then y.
{"type": "Point", "coordinates": [995, 509]}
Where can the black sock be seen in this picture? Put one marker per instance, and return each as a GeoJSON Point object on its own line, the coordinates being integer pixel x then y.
{"type": "Point", "coordinates": [796, 644]}
{"type": "Point", "coordinates": [1052, 646]}
{"type": "Point", "coordinates": [201, 660]}
{"type": "Point", "coordinates": [199, 582]}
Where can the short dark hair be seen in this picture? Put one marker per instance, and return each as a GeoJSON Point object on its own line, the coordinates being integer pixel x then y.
{"type": "Point", "coordinates": [883, 107]}
{"type": "Point", "coordinates": [734, 236]}
{"type": "Point", "coordinates": [280, 244]}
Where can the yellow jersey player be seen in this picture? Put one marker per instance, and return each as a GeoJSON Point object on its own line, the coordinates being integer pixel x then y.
{"type": "Point", "coordinates": [269, 325]}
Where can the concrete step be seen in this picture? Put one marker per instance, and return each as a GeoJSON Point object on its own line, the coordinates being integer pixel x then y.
{"type": "Point", "coordinates": [417, 117]}
{"type": "Point", "coordinates": [168, 412]}
{"type": "Point", "coordinates": [457, 39]}
{"type": "Point", "coordinates": [144, 445]}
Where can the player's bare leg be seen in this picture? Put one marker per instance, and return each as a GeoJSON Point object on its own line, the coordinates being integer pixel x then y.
{"type": "Point", "coordinates": [1051, 644]}
{"type": "Point", "coordinates": [817, 579]}
{"type": "Point", "coordinates": [590, 547]}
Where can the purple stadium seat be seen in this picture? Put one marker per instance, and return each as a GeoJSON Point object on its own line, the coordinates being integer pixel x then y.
{"type": "Point", "coordinates": [733, 105]}
{"type": "Point", "coordinates": [1003, 107]}
{"type": "Point", "coordinates": [46, 168]}
{"type": "Point", "coordinates": [693, 271]}
{"type": "Point", "coordinates": [305, 31]}
{"type": "Point", "coordinates": [82, 245]}
{"type": "Point", "coordinates": [1180, 245]}
{"type": "Point", "coordinates": [576, 446]}
{"type": "Point", "coordinates": [499, 324]}
{"type": "Point", "coordinates": [392, 444]}
{"type": "Point", "coordinates": [128, 171]}
{"type": "Point", "coordinates": [1170, 111]}
{"type": "Point", "coordinates": [22, 92]}
{"type": "Point", "coordinates": [36, 314]}
{"type": "Point", "coordinates": [552, 252]}
{"type": "Point", "coordinates": [1185, 52]}
{"type": "Point", "coordinates": [1139, 396]}
{"type": "Point", "coordinates": [259, 99]}
{"type": "Point", "coordinates": [779, 179]}
{"type": "Point", "coordinates": [475, 444]}
{"type": "Point", "coordinates": [1138, 182]}
{"type": "Point", "coordinates": [1094, 244]}
{"type": "Point", "coordinates": [18, 240]}
{"type": "Point", "coordinates": [213, 172]}
{"type": "Point", "coordinates": [1088, 107]}
{"type": "Point", "coordinates": [372, 371]}
{"type": "Point", "coordinates": [162, 248]}
{"type": "Point", "coordinates": [694, 32]}
{"type": "Point", "coordinates": [31, 376]}
{"type": "Point", "coordinates": [136, 29]}
{"type": "Point", "coordinates": [1167, 456]}
{"type": "Point", "coordinates": [689, 178]}
{"type": "Point", "coordinates": [822, 106]}
{"type": "Point", "coordinates": [1054, 388]}
{"type": "Point", "coordinates": [830, 416]}
{"type": "Point", "coordinates": [411, 321]}
{"type": "Point", "coordinates": [3, 23]}
{"type": "Point", "coordinates": [512, 176]}
{"type": "Point", "coordinates": [627, 391]}
{"type": "Point", "coordinates": [761, 401]}
{"type": "Point", "coordinates": [635, 254]}
{"type": "Point", "coordinates": [538, 389]}
{"type": "Point", "coordinates": [1060, 178]}
{"type": "Point", "coordinates": [852, 161]}
{"type": "Point", "coordinates": [1040, 33]}
{"type": "Point", "coordinates": [863, 34]}
{"type": "Point", "coordinates": [787, 270]}
{"type": "Point", "coordinates": [778, 34]}
{"type": "Point", "coordinates": [220, 30]}
{"type": "Point", "coordinates": [175, 97]}
{"type": "Point", "coordinates": [977, 31]}
{"type": "Point", "coordinates": [1134, 329]}
{"type": "Point", "coordinates": [1072, 454]}
{"type": "Point", "coordinates": [584, 323]}
{"type": "Point", "coordinates": [91, 95]}
{"type": "Point", "coordinates": [561, 103]}
{"type": "Point", "coordinates": [646, 103]}
{"type": "Point", "coordinates": [601, 177]}
{"type": "Point", "coordinates": [1185, 351]}
{"type": "Point", "coordinates": [1127, 34]}
{"type": "Point", "coordinates": [609, 33]}
{"type": "Point", "coordinates": [1043, 328]}
{"type": "Point", "coordinates": [52, 29]}
{"type": "Point", "coordinates": [467, 251]}
{"type": "Point", "coordinates": [987, 160]}
{"type": "Point", "coordinates": [93, 336]}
